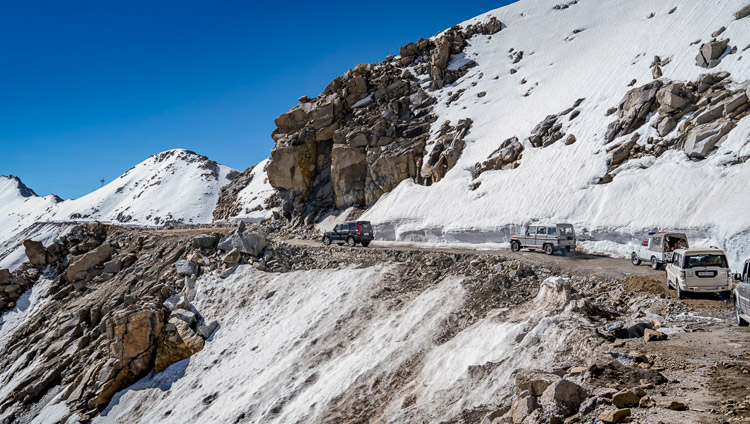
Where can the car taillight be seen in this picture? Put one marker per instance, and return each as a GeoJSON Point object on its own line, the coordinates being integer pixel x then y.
{"type": "Point", "coordinates": [357, 229]}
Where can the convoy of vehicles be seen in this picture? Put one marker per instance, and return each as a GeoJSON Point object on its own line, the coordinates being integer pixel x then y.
{"type": "Point", "coordinates": [658, 248]}
{"type": "Point", "coordinates": [688, 270]}
{"type": "Point", "coordinates": [350, 233]}
{"type": "Point", "coordinates": [549, 238]}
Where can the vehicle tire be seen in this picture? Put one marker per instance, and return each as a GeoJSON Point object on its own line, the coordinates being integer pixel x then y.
{"type": "Point", "coordinates": [515, 246]}
{"type": "Point", "coordinates": [669, 284]}
{"type": "Point", "coordinates": [351, 242]}
{"type": "Point", "coordinates": [741, 322]}
{"type": "Point", "coordinates": [680, 294]}
{"type": "Point", "coordinates": [365, 243]}
{"type": "Point", "coordinates": [634, 259]}
{"type": "Point", "coordinates": [655, 265]}
{"type": "Point", "coordinates": [327, 241]}
{"type": "Point", "coordinates": [548, 249]}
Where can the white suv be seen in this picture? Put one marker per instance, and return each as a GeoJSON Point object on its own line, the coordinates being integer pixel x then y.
{"type": "Point", "coordinates": [699, 271]}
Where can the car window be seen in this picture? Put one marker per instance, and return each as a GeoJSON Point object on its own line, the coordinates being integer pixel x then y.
{"type": "Point", "coordinates": [541, 230]}
{"type": "Point", "coordinates": [677, 260]}
{"type": "Point", "coordinates": [337, 228]}
{"type": "Point", "coordinates": [656, 243]}
{"type": "Point", "coordinates": [552, 231]}
{"type": "Point", "coordinates": [352, 227]}
{"type": "Point", "coordinates": [365, 227]}
{"type": "Point", "coordinates": [692, 261]}
{"type": "Point", "coordinates": [531, 231]}
{"type": "Point", "coordinates": [565, 230]}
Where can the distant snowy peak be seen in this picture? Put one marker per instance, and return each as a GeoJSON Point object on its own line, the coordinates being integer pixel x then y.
{"type": "Point", "coordinates": [13, 184]}
{"type": "Point", "coordinates": [173, 186]}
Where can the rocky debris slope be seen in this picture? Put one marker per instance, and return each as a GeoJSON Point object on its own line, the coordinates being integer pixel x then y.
{"type": "Point", "coordinates": [371, 128]}
{"type": "Point", "coordinates": [227, 205]}
{"type": "Point", "coordinates": [114, 308]}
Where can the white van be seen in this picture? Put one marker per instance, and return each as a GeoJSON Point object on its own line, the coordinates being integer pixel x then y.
{"type": "Point", "coordinates": [699, 271]}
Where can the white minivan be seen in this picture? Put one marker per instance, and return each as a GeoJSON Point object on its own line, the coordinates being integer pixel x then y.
{"type": "Point", "coordinates": [699, 271]}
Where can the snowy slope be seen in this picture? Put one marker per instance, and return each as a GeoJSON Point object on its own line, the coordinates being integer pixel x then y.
{"type": "Point", "coordinates": [288, 352]}
{"type": "Point", "coordinates": [253, 197]}
{"type": "Point", "coordinates": [172, 186]}
{"type": "Point", "coordinates": [557, 183]}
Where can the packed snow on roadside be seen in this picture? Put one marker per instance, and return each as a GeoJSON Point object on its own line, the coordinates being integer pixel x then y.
{"type": "Point", "coordinates": [613, 43]}
{"type": "Point", "coordinates": [287, 350]}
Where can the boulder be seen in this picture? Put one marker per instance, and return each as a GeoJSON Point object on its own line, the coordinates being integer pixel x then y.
{"type": "Point", "coordinates": [666, 125]}
{"type": "Point", "coordinates": [743, 13]}
{"type": "Point", "coordinates": [36, 252]}
{"type": "Point", "coordinates": [186, 268]}
{"type": "Point", "coordinates": [184, 315]}
{"type": "Point", "coordinates": [570, 139]}
{"type": "Point", "coordinates": [4, 277]}
{"type": "Point", "coordinates": [614, 416]}
{"type": "Point", "coordinates": [205, 241]}
{"type": "Point", "coordinates": [704, 138]}
{"type": "Point", "coordinates": [653, 335]}
{"type": "Point", "coordinates": [177, 341]}
{"type": "Point", "coordinates": [112, 267]}
{"type": "Point", "coordinates": [442, 53]}
{"type": "Point", "coordinates": [735, 102]}
{"type": "Point", "coordinates": [673, 405]}
{"type": "Point", "coordinates": [625, 398]}
{"type": "Point", "coordinates": [207, 330]}
{"type": "Point", "coordinates": [232, 257]}
{"type": "Point", "coordinates": [710, 53]}
{"type": "Point", "coordinates": [245, 242]}
{"type": "Point", "coordinates": [78, 269]}
{"type": "Point", "coordinates": [670, 99]}
{"type": "Point", "coordinates": [176, 302]}
{"type": "Point", "coordinates": [634, 109]}
{"type": "Point", "coordinates": [563, 397]}
{"type": "Point", "coordinates": [522, 407]}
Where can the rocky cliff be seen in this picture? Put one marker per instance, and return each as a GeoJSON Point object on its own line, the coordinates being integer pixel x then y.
{"type": "Point", "coordinates": [372, 128]}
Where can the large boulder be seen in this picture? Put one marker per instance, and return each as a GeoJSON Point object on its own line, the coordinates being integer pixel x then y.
{"type": "Point", "coordinates": [4, 276]}
{"type": "Point", "coordinates": [79, 268]}
{"type": "Point", "coordinates": [205, 241]}
{"type": "Point", "coordinates": [563, 397]}
{"type": "Point", "coordinates": [743, 13]}
{"type": "Point", "coordinates": [36, 252]}
{"type": "Point", "coordinates": [710, 53]}
{"type": "Point", "coordinates": [186, 268]}
{"type": "Point", "coordinates": [244, 242]}
{"type": "Point", "coordinates": [672, 97]}
{"type": "Point", "coordinates": [522, 407]}
{"type": "Point", "coordinates": [176, 342]}
{"type": "Point", "coordinates": [704, 138]}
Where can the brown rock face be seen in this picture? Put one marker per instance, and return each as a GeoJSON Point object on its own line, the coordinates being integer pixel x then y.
{"type": "Point", "coordinates": [177, 342]}
{"type": "Point", "coordinates": [4, 276]}
{"type": "Point", "coordinates": [78, 269]}
{"type": "Point", "coordinates": [370, 129]}
{"type": "Point", "coordinates": [36, 252]}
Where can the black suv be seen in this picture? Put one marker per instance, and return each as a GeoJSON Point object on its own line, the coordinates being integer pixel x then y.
{"type": "Point", "coordinates": [350, 233]}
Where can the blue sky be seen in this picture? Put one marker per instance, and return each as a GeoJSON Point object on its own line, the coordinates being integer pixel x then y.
{"type": "Point", "coordinates": [90, 88]}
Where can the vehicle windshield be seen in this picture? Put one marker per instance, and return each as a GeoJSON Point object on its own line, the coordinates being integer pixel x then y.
{"type": "Point", "coordinates": [693, 261]}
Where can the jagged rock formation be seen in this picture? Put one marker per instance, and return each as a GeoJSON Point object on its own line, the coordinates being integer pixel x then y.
{"type": "Point", "coordinates": [702, 112]}
{"type": "Point", "coordinates": [228, 205]}
{"type": "Point", "coordinates": [114, 308]}
{"type": "Point", "coordinates": [370, 129]}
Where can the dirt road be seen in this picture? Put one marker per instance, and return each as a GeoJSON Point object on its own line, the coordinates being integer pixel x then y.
{"type": "Point", "coordinates": [578, 263]}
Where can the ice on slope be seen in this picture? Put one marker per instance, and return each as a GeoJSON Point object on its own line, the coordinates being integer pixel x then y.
{"type": "Point", "coordinates": [319, 345]}
{"type": "Point", "coordinates": [557, 183]}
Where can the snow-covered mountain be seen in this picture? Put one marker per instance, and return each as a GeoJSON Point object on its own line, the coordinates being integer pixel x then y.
{"type": "Point", "coordinates": [556, 96]}
{"type": "Point", "coordinates": [172, 186]}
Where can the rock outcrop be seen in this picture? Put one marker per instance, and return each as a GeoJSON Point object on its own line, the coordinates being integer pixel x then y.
{"type": "Point", "coordinates": [693, 116]}
{"type": "Point", "coordinates": [370, 129]}
{"type": "Point", "coordinates": [710, 53]}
